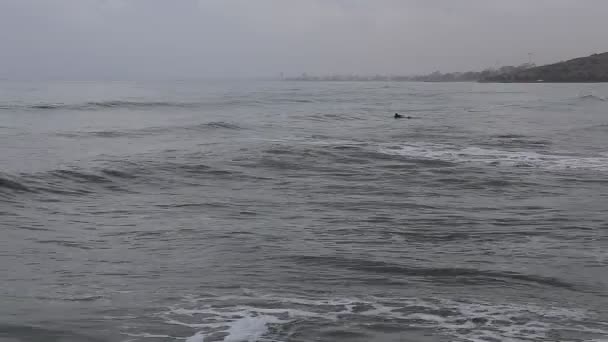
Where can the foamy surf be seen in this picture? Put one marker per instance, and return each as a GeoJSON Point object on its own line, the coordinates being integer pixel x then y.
{"type": "Point", "coordinates": [479, 155]}
{"type": "Point", "coordinates": [245, 329]}
{"type": "Point", "coordinates": [273, 318]}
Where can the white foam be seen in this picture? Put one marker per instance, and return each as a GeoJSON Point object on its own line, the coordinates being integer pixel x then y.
{"type": "Point", "coordinates": [198, 337]}
{"type": "Point", "coordinates": [451, 153]}
{"type": "Point", "coordinates": [193, 325]}
{"type": "Point", "coordinates": [248, 323]}
{"type": "Point", "coordinates": [286, 312]}
{"type": "Point", "coordinates": [145, 335]}
{"type": "Point", "coordinates": [249, 329]}
{"type": "Point", "coordinates": [241, 319]}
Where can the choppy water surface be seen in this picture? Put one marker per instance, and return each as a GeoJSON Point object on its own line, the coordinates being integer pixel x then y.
{"type": "Point", "coordinates": [277, 211]}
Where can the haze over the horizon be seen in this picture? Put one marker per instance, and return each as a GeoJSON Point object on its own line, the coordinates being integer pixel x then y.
{"type": "Point", "coordinates": [126, 39]}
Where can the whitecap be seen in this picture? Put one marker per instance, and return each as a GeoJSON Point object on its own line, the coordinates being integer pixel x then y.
{"type": "Point", "coordinates": [251, 318]}
{"type": "Point", "coordinates": [478, 155]}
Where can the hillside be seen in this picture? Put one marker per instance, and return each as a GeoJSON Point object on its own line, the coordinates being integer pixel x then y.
{"type": "Point", "coordinates": [593, 68]}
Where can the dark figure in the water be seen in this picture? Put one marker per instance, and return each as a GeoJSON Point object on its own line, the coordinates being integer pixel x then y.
{"type": "Point", "coordinates": [399, 116]}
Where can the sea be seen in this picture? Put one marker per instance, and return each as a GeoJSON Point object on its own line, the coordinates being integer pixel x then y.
{"type": "Point", "coordinates": [275, 211]}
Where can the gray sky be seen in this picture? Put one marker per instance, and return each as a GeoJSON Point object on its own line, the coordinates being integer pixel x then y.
{"type": "Point", "coordinates": [125, 39]}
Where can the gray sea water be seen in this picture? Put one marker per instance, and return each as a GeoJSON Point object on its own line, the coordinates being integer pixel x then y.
{"type": "Point", "coordinates": [278, 211]}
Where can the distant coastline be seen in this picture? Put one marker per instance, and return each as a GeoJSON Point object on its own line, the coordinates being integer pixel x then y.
{"type": "Point", "coordinates": [468, 76]}
{"type": "Point", "coordinates": [589, 69]}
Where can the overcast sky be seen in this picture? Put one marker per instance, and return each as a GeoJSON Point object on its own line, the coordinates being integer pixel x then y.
{"type": "Point", "coordinates": [126, 39]}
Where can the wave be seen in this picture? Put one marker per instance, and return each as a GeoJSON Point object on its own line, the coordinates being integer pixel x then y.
{"type": "Point", "coordinates": [134, 133]}
{"type": "Point", "coordinates": [457, 275]}
{"type": "Point", "coordinates": [117, 173]}
{"type": "Point", "coordinates": [275, 317]}
{"type": "Point", "coordinates": [7, 183]}
{"type": "Point", "coordinates": [510, 136]}
{"type": "Point", "coordinates": [79, 176]}
{"type": "Point", "coordinates": [478, 155]}
{"type": "Point", "coordinates": [34, 333]}
{"type": "Point", "coordinates": [586, 99]}
{"type": "Point", "coordinates": [109, 134]}
{"type": "Point", "coordinates": [552, 104]}
{"type": "Point", "coordinates": [592, 97]}
{"type": "Point", "coordinates": [215, 124]}
{"type": "Point", "coordinates": [114, 177]}
{"type": "Point", "coordinates": [59, 182]}
{"type": "Point", "coordinates": [150, 104]}
{"type": "Point", "coordinates": [327, 117]}
{"type": "Point", "coordinates": [597, 128]}
{"type": "Point", "coordinates": [340, 159]}
{"type": "Point", "coordinates": [100, 105]}
{"type": "Point", "coordinates": [514, 141]}
{"type": "Point", "coordinates": [294, 100]}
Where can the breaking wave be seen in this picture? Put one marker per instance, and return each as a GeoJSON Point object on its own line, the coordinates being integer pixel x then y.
{"type": "Point", "coordinates": [473, 155]}
{"type": "Point", "coordinates": [592, 97]}
{"type": "Point", "coordinates": [277, 318]}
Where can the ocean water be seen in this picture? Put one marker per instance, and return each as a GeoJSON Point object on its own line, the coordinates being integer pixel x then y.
{"type": "Point", "coordinates": [277, 211]}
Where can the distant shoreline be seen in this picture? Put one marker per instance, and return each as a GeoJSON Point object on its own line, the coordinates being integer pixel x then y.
{"type": "Point", "coordinates": [539, 82]}
{"type": "Point", "coordinates": [477, 81]}
{"type": "Point", "coordinates": [590, 69]}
